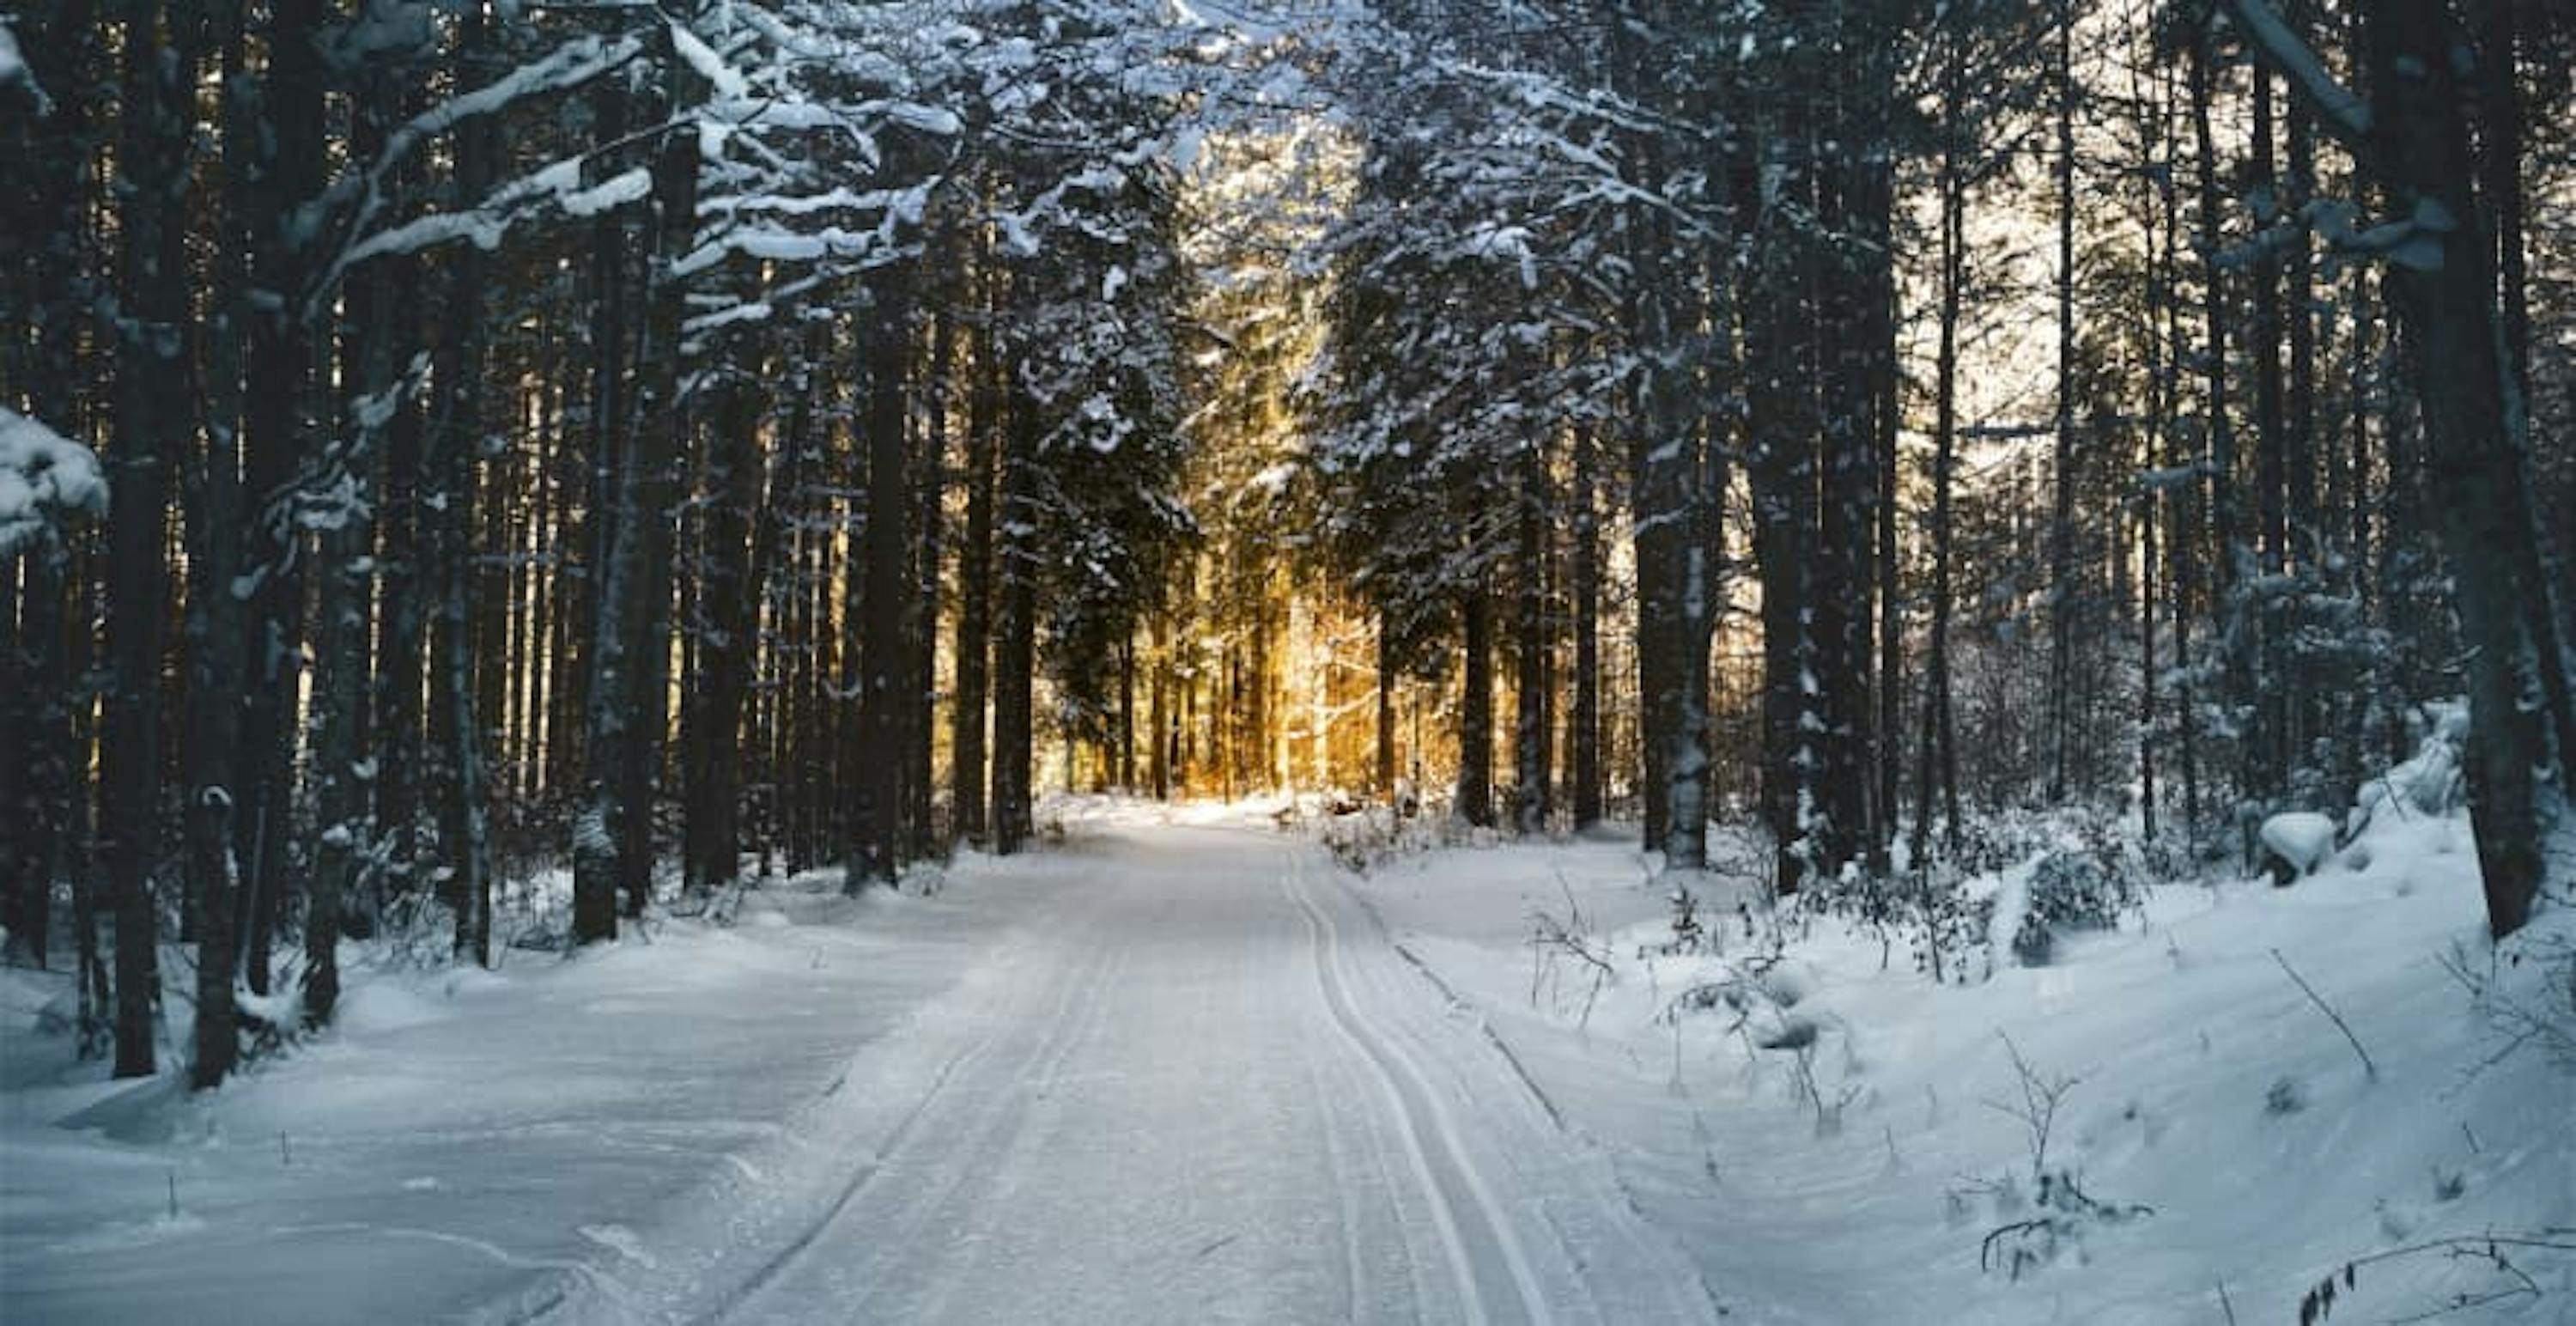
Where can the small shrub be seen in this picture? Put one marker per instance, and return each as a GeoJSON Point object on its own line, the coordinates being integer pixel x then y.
{"type": "Point", "coordinates": [1942, 924]}
{"type": "Point", "coordinates": [2087, 885]}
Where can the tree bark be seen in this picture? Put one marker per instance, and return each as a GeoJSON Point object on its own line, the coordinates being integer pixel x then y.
{"type": "Point", "coordinates": [1015, 630]}
{"type": "Point", "coordinates": [1533, 754]}
{"type": "Point", "coordinates": [884, 667]}
{"type": "Point", "coordinates": [152, 425]}
{"type": "Point", "coordinates": [985, 409]}
{"type": "Point", "coordinates": [1476, 710]}
{"type": "Point", "coordinates": [1584, 724]}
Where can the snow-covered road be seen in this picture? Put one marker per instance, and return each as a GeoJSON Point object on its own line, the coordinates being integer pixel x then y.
{"type": "Point", "coordinates": [1196, 1083]}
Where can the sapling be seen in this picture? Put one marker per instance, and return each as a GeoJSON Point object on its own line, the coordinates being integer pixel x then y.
{"type": "Point", "coordinates": [2065, 1210]}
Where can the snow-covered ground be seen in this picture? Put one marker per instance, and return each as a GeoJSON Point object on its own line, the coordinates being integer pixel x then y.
{"type": "Point", "coordinates": [463, 1136]}
{"type": "Point", "coordinates": [1180, 1067]}
{"type": "Point", "coordinates": [1856, 1177]}
{"type": "Point", "coordinates": [1164, 1072]}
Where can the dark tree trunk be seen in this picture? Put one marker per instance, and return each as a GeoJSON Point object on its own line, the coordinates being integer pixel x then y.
{"type": "Point", "coordinates": [278, 437]}
{"type": "Point", "coordinates": [448, 517]}
{"type": "Point", "coordinates": [2416, 147]}
{"type": "Point", "coordinates": [2265, 744]}
{"type": "Point", "coordinates": [152, 425]}
{"type": "Point", "coordinates": [1476, 710]}
{"type": "Point", "coordinates": [214, 632]}
{"type": "Point", "coordinates": [2218, 439]}
{"type": "Point", "coordinates": [1584, 724]}
{"type": "Point", "coordinates": [2474, 423]}
{"type": "Point", "coordinates": [1533, 754]}
{"type": "Point", "coordinates": [1158, 714]}
{"type": "Point", "coordinates": [1936, 757]}
{"type": "Point", "coordinates": [2063, 591]}
{"type": "Point", "coordinates": [985, 410]}
{"type": "Point", "coordinates": [1386, 763]}
{"type": "Point", "coordinates": [1783, 432]}
{"type": "Point", "coordinates": [602, 690]}
{"type": "Point", "coordinates": [921, 707]}
{"type": "Point", "coordinates": [884, 669]}
{"type": "Point", "coordinates": [1015, 630]}
{"type": "Point", "coordinates": [2500, 160]}
{"type": "Point", "coordinates": [731, 594]}
{"type": "Point", "coordinates": [403, 587]}
{"type": "Point", "coordinates": [644, 531]}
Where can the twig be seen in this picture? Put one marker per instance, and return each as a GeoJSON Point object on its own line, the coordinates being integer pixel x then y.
{"type": "Point", "coordinates": [2369, 1070]}
{"type": "Point", "coordinates": [2489, 1248]}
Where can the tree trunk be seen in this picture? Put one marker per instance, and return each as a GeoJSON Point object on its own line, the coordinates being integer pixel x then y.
{"type": "Point", "coordinates": [1584, 725]}
{"type": "Point", "coordinates": [2442, 283]}
{"type": "Point", "coordinates": [2266, 742]}
{"type": "Point", "coordinates": [2474, 422]}
{"type": "Point", "coordinates": [279, 436]}
{"type": "Point", "coordinates": [1015, 630]}
{"type": "Point", "coordinates": [1935, 758]}
{"type": "Point", "coordinates": [605, 696]}
{"type": "Point", "coordinates": [1533, 755]}
{"type": "Point", "coordinates": [214, 634]}
{"type": "Point", "coordinates": [921, 704]}
{"type": "Point", "coordinates": [985, 409]}
{"type": "Point", "coordinates": [2062, 588]}
{"type": "Point", "coordinates": [1476, 710]}
{"type": "Point", "coordinates": [743, 536]}
{"type": "Point", "coordinates": [2218, 456]}
{"type": "Point", "coordinates": [644, 528]}
{"type": "Point", "coordinates": [884, 668]}
{"type": "Point", "coordinates": [448, 515]}
{"type": "Point", "coordinates": [1386, 763]}
{"type": "Point", "coordinates": [152, 425]}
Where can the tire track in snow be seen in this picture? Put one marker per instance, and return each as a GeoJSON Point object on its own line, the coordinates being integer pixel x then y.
{"type": "Point", "coordinates": [1461, 1205]}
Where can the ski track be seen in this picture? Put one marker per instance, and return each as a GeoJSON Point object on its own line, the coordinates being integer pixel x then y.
{"type": "Point", "coordinates": [1412, 1106]}
{"type": "Point", "coordinates": [1201, 1084]}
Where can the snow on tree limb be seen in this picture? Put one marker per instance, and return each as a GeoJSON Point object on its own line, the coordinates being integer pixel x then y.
{"type": "Point", "coordinates": [728, 82]}
{"type": "Point", "coordinates": [2338, 108]}
{"type": "Point", "coordinates": [360, 196]}
{"type": "Point", "coordinates": [43, 477]}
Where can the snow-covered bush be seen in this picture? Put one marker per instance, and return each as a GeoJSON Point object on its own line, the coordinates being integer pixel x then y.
{"type": "Point", "coordinates": [1374, 833]}
{"type": "Point", "coordinates": [2085, 885]}
{"type": "Point", "coordinates": [1937, 911]}
{"type": "Point", "coordinates": [2296, 842]}
{"type": "Point", "coordinates": [2432, 783]}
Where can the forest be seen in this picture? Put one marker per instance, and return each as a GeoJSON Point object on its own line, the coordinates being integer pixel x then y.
{"type": "Point", "coordinates": [690, 441]}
